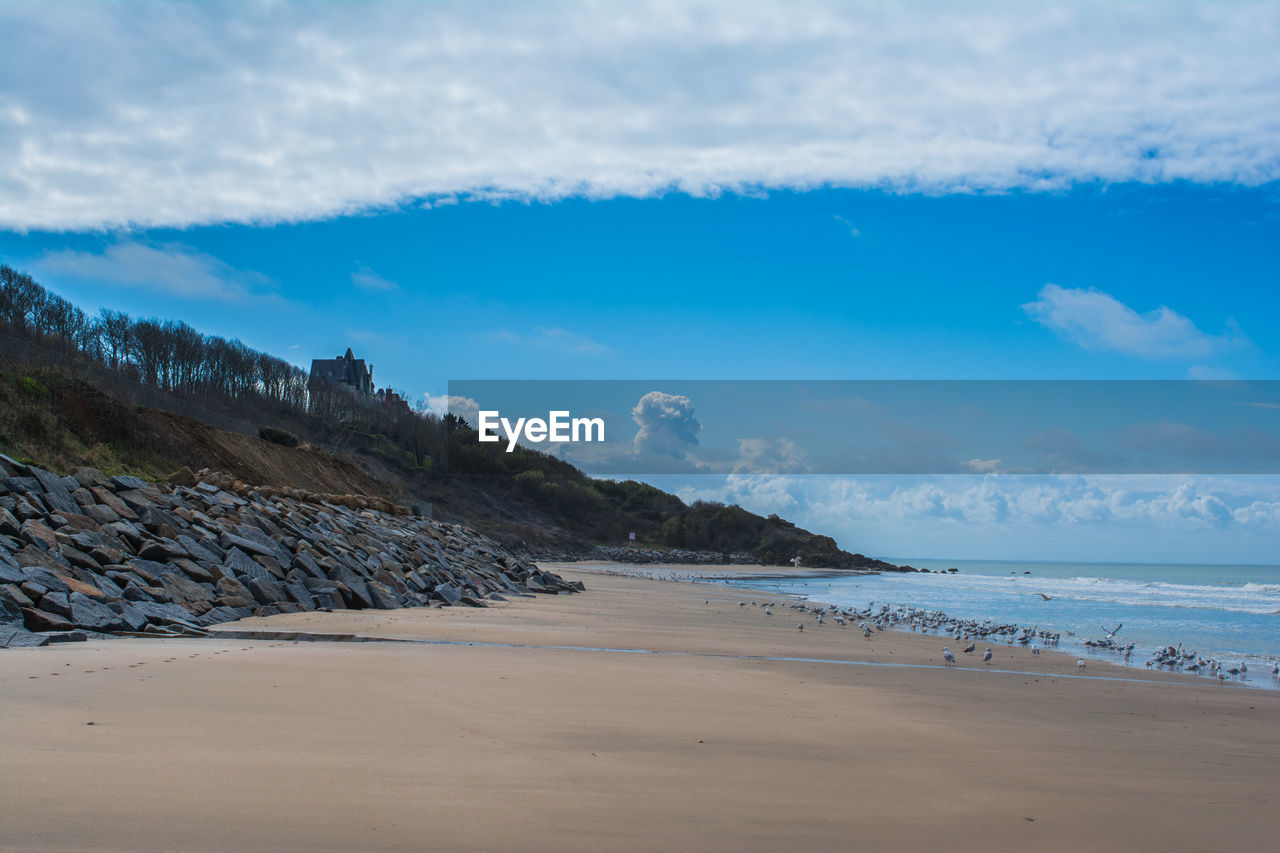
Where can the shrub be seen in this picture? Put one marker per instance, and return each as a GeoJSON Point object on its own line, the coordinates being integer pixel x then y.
{"type": "Point", "coordinates": [278, 436]}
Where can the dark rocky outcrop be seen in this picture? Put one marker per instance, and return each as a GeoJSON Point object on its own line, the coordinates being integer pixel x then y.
{"type": "Point", "coordinates": [111, 555]}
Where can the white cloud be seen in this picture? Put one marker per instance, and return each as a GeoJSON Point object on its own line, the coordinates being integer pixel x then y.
{"type": "Point", "coordinates": [667, 425]}
{"type": "Point", "coordinates": [178, 114]}
{"type": "Point", "coordinates": [1205, 373]}
{"type": "Point", "coordinates": [172, 269]}
{"type": "Point", "coordinates": [1098, 321]}
{"type": "Point", "coordinates": [1010, 502]}
{"type": "Point", "coordinates": [366, 279]}
{"type": "Point", "coordinates": [557, 339]}
{"type": "Point", "coordinates": [442, 404]}
{"type": "Point", "coordinates": [769, 456]}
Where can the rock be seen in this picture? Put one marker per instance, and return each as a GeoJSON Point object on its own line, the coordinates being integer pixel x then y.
{"type": "Point", "coordinates": [83, 587]}
{"type": "Point", "coordinates": [101, 513]}
{"type": "Point", "coordinates": [229, 586]}
{"type": "Point", "coordinates": [198, 551]}
{"type": "Point", "coordinates": [448, 593]}
{"type": "Point", "coordinates": [17, 637]}
{"type": "Point", "coordinates": [119, 483]}
{"type": "Point", "coordinates": [76, 557]}
{"type": "Point", "coordinates": [132, 617]}
{"type": "Point", "coordinates": [32, 557]}
{"type": "Point", "coordinates": [12, 596]}
{"type": "Point", "coordinates": [382, 597]}
{"type": "Point", "coordinates": [108, 499]}
{"type": "Point", "coordinates": [39, 534]}
{"type": "Point", "coordinates": [356, 598]}
{"type": "Point", "coordinates": [183, 588]}
{"type": "Point", "coordinates": [87, 613]}
{"type": "Point", "coordinates": [10, 467]}
{"type": "Point", "coordinates": [89, 477]}
{"type": "Point", "coordinates": [264, 591]}
{"type": "Point", "coordinates": [9, 525]}
{"type": "Point", "coordinates": [197, 572]}
{"type": "Point", "coordinates": [184, 476]}
{"type": "Point", "coordinates": [162, 551]}
{"type": "Point", "coordinates": [36, 619]}
{"type": "Point", "coordinates": [56, 603]}
{"type": "Point", "coordinates": [121, 554]}
{"type": "Point", "coordinates": [56, 494]}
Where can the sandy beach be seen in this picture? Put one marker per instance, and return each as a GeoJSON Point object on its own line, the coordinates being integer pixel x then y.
{"type": "Point", "coordinates": [716, 743]}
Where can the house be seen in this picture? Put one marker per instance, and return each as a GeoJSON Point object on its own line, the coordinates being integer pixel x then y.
{"type": "Point", "coordinates": [345, 371]}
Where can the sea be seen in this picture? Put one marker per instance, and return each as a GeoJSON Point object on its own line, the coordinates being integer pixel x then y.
{"type": "Point", "coordinates": [1228, 613]}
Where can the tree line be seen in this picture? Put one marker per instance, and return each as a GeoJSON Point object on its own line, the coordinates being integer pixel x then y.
{"type": "Point", "coordinates": [167, 354]}
{"type": "Point", "coordinates": [175, 357]}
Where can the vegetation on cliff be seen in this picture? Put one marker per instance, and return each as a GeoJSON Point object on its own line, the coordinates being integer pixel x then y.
{"type": "Point", "coordinates": [147, 396]}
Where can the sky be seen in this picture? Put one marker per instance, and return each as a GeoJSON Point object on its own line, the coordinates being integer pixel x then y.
{"type": "Point", "coordinates": [666, 191]}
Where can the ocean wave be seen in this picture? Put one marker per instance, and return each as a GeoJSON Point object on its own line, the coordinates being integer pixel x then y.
{"type": "Point", "coordinates": [1256, 598]}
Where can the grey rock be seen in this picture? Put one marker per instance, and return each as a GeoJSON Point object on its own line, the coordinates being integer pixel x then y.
{"type": "Point", "coordinates": [127, 482]}
{"type": "Point", "coordinates": [56, 494]}
{"type": "Point", "coordinates": [229, 586]}
{"type": "Point", "coordinates": [183, 588]}
{"type": "Point", "coordinates": [87, 613]}
{"type": "Point", "coordinates": [132, 617]}
{"type": "Point", "coordinates": [265, 591]}
{"type": "Point", "coordinates": [57, 603]}
{"type": "Point", "coordinates": [10, 571]}
{"type": "Point", "coordinates": [382, 597]}
{"type": "Point", "coordinates": [13, 636]}
{"type": "Point", "coordinates": [9, 525]}
{"type": "Point", "coordinates": [448, 593]}
{"type": "Point", "coordinates": [162, 551]}
{"type": "Point", "coordinates": [199, 552]}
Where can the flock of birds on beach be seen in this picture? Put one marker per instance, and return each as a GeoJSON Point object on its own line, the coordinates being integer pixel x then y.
{"type": "Point", "coordinates": [972, 632]}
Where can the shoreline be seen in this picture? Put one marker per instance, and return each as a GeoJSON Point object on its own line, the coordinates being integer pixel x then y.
{"type": "Point", "coordinates": [1078, 646]}
{"type": "Point", "coordinates": [516, 726]}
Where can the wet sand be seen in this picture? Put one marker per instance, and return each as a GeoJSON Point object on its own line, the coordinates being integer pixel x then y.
{"type": "Point", "coordinates": [250, 744]}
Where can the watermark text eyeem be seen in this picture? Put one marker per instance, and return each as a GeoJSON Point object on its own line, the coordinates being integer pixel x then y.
{"type": "Point", "coordinates": [559, 426]}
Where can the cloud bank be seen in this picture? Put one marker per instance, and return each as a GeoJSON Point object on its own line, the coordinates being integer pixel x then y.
{"type": "Point", "coordinates": [995, 503]}
{"type": "Point", "coordinates": [168, 114]}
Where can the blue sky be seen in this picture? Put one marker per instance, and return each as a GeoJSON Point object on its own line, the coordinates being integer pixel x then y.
{"type": "Point", "coordinates": [704, 190]}
{"type": "Point", "coordinates": [735, 287]}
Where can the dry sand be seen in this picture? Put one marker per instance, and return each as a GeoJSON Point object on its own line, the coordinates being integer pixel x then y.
{"type": "Point", "coordinates": [279, 745]}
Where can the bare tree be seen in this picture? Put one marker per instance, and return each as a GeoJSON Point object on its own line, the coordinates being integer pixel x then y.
{"type": "Point", "coordinates": [116, 330]}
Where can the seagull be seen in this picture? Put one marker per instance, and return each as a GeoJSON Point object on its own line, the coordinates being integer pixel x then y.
{"type": "Point", "coordinates": [1043, 596]}
{"type": "Point", "coordinates": [986, 656]}
{"type": "Point", "coordinates": [1113, 631]}
{"type": "Point", "coordinates": [947, 656]}
{"type": "Point", "coordinates": [969, 648]}
{"type": "Point", "coordinates": [1080, 663]}
{"type": "Point", "coordinates": [800, 627]}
